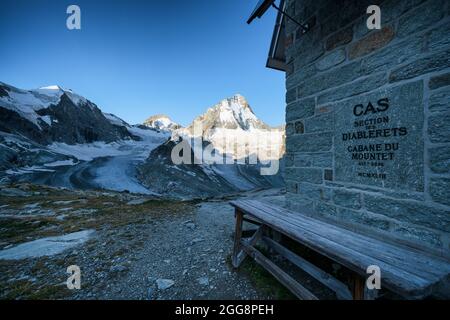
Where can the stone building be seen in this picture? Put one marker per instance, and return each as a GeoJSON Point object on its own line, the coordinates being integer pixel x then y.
{"type": "Point", "coordinates": [368, 115]}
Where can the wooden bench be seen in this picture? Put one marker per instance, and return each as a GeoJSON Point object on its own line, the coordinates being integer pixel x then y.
{"type": "Point", "coordinates": [410, 272]}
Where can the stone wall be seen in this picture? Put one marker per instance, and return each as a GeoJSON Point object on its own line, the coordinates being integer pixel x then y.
{"type": "Point", "coordinates": [368, 116]}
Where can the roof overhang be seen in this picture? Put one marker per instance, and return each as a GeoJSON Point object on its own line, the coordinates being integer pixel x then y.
{"type": "Point", "coordinates": [261, 8]}
{"type": "Point", "coordinates": [277, 57]}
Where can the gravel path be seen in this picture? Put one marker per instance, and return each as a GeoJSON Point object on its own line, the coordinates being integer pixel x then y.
{"type": "Point", "coordinates": [189, 253]}
{"type": "Point", "coordinates": [140, 250]}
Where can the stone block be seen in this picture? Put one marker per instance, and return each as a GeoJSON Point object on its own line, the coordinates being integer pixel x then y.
{"type": "Point", "coordinates": [346, 198]}
{"type": "Point", "coordinates": [439, 81]}
{"type": "Point", "coordinates": [418, 234]}
{"type": "Point", "coordinates": [320, 123]}
{"type": "Point", "coordinates": [329, 79]}
{"type": "Point", "coordinates": [330, 60]}
{"type": "Point", "coordinates": [313, 142]}
{"type": "Point", "coordinates": [440, 191]}
{"type": "Point", "coordinates": [339, 38]}
{"type": "Point", "coordinates": [439, 127]}
{"type": "Point", "coordinates": [431, 63]}
{"type": "Point", "coordinates": [300, 109]}
{"type": "Point", "coordinates": [319, 159]}
{"type": "Point", "coordinates": [413, 212]}
{"type": "Point", "coordinates": [290, 129]}
{"type": "Point", "coordinates": [440, 159]}
{"type": "Point", "coordinates": [326, 210]}
{"type": "Point", "coordinates": [300, 203]}
{"type": "Point", "coordinates": [300, 75]}
{"type": "Point", "coordinates": [373, 41]}
{"type": "Point", "coordinates": [420, 18]}
{"type": "Point", "coordinates": [291, 95]}
{"type": "Point", "coordinates": [440, 100]}
{"type": "Point", "coordinates": [311, 175]}
{"type": "Point", "coordinates": [291, 186]}
{"type": "Point", "coordinates": [289, 159]}
{"type": "Point", "coordinates": [366, 219]}
{"type": "Point", "coordinates": [437, 38]}
{"type": "Point", "coordinates": [314, 191]}
{"type": "Point", "coordinates": [353, 88]}
{"type": "Point", "coordinates": [392, 55]}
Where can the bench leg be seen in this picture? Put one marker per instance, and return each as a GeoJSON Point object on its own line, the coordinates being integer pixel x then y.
{"type": "Point", "coordinates": [237, 250]}
{"type": "Point", "coordinates": [358, 285]}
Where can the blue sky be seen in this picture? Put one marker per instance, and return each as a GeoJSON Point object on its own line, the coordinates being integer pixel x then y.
{"type": "Point", "coordinates": [138, 58]}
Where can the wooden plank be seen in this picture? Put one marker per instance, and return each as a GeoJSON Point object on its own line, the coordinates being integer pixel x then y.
{"type": "Point", "coordinates": [371, 294]}
{"type": "Point", "coordinates": [250, 241]}
{"type": "Point", "coordinates": [289, 282]}
{"type": "Point", "coordinates": [395, 246]}
{"type": "Point", "coordinates": [237, 239]}
{"type": "Point", "coordinates": [252, 220]}
{"type": "Point", "coordinates": [421, 265]}
{"type": "Point", "coordinates": [381, 235]}
{"type": "Point", "coordinates": [344, 242]}
{"type": "Point", "coordinates": [393, 279]}
{"type": "Point", "coordinates": [341, 290]}
{"type": "Point", "coordinates": [254, 238]}
{"type": "Point", "coordinates": [412, 262]}
{"type": "Point", "coordinates": [358, 286]}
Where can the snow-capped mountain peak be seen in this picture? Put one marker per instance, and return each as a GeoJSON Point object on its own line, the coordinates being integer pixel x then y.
{"type": "Point", "coordinates": [52, 87]}
{"type": "Point", "coordinates": [232, 121]}
{"type": "Point", "coordinates": [236, 110]}
{"type": "Point", "coordinates": [230, 113]}
{"type": "Point", "coordinates": [57, 91]}
{"type": "Point", "coordinates": [161, 122]}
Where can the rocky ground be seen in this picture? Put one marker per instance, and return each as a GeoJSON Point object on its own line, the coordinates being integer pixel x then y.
{"type": "Point", "coordinates": [140, 247]}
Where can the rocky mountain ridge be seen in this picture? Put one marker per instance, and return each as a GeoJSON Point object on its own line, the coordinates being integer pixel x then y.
{"type": "Point", "coordinates": [52, 114]}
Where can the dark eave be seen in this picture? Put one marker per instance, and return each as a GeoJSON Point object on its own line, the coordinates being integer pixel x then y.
{"type": "Point", "coordinates": [277, 57]}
